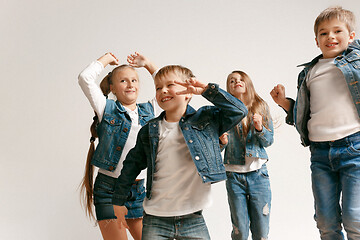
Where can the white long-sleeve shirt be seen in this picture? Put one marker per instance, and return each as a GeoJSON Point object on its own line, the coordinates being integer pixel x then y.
{"type": "Point", "coordinates": [97, 101]}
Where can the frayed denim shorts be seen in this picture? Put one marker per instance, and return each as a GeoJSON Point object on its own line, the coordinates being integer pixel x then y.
{"type": "Point", "coordinates": [103, 192]}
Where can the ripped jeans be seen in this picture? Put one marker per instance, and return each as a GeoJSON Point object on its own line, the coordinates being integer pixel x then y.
{"type": "Point", "coordinates": [249, 198]}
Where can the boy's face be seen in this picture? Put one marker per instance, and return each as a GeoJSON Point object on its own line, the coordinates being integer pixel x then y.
{"type": "Point", "coordinates": [166, 96]}
{"type": "Point", "coordinates": [333, 37]}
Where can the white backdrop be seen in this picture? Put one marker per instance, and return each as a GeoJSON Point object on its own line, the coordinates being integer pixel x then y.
{"type": "Point", "coordinates": [45, 117]}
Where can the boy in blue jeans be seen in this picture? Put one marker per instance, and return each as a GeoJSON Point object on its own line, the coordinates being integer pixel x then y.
{"type": "Point", "coordinates": [181, 152]}
{"type": "Point", "coordinates": [326, 114]}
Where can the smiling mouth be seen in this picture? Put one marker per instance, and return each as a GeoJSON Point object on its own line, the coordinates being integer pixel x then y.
{"type": "Point", "coordinates": [332, 44]}
{"type": "Point", "coordinates": [165, 99]}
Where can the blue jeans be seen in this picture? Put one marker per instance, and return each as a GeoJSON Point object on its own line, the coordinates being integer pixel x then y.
{"type": "Point", "coordinates": [191, 226]}
{"type": "Point", "coordinates": [335, 173]}
{"type": "Point", "coordinates": [249, 197]}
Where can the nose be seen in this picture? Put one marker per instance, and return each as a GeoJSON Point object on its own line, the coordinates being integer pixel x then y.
{"type": "Point", "coordinates": [331, 35]}
{"type": "Point", "coordinates": [130, 84]}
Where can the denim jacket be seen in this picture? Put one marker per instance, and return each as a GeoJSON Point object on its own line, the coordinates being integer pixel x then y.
{"type": "Point", "coordinates": [349, 64]}
{"type": "Point", "coordinates": [253, 146]}
{"type": "Point", "coordinates": [201, 130]}
{"type": "Point", "coordinates": [113, 131]}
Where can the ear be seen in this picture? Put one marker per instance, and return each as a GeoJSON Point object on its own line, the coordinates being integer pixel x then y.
{"type": "Point", "coordinates": [352, 37]}
{"type": "Point", "coordinates": [317, 43]}
{"type": "Point", "coordinates": [112, 89]}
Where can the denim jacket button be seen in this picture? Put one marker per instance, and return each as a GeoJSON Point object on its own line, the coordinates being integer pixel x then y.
{"type": "Point", "coordinates": [112, 121]}
{"type": "Point", "coordinates": [250, 155]}
{"type": "Point", "coordinates": [212, 86]}
{"type": "Point", "coordinates": [190, 141]}
{"type": "Point", "coordinates": [111, 168]}
{"type": "Point", "coordinates": [118, 148]}
{"type": "Point", "coordinates": [186, 128]}
{"type": "Point", "coordinates": [125, 130]}
{"type": "Point", "coordinates": [197, 158]}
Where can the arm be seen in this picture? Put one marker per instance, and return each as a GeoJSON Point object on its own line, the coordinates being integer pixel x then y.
{"type": "Point", "coordinates": [87, 83]}
{"type": "Point", "coordinates": [231, 109]}
{"type": "Point", "coordinates": [278, 95]}
{"type": "Point", "coordinates": [263, 134]}
{"type": "Point", "coordinates": [138, 60]}
{"type": "Point", "coordinates": [135, 162]}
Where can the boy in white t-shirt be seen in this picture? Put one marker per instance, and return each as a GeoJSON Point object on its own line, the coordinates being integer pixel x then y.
{"type": "Point", "coordinates": [181, 152]}
{"type": "Point", "coordinates": [326, 114]}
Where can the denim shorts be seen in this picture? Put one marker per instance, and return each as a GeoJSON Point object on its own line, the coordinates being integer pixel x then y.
{"type": "Point", "coordinates": [103, 192]}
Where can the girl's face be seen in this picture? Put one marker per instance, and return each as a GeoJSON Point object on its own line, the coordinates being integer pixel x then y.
{"type": "Point", "coordinates": [236, 85]}
{"type": "Point", "coordinates": [125, 86]}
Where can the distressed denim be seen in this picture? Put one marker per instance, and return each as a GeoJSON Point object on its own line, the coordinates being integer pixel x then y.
{"type": "Point", "coordinates": [249, 197]}
{"type": "Point", "coordinates": [335, 167]}
{"type": "Point", "coordinates": [191, 226]}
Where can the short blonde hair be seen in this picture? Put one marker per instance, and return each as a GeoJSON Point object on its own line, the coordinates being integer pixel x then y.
{"type": "Point", "coordinates": [183, 72]}
{"type": "Point", "coordinates": [339, 13]}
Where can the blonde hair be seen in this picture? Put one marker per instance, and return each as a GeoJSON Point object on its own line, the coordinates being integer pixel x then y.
{"type": "Point", "coordinates": [343, 15]}
{"type": "Point", "coordinates": [183, 72]}
{"type": "Point", "coordinates": [255, 104]}
{"type": "Point", "coordinates": [87, 182]}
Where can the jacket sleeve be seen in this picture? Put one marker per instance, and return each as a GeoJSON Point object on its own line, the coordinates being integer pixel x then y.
{"type": "Point", "coordinates": [290, 114]}
{"type": "Point", "coordinates": [134, 163]}
{"type": "Point", "coordinates": [231, 109]}
{"type": "Point", "coordinates": [266, 135]}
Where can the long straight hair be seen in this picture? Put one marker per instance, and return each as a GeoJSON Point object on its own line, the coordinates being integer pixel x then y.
{"type": "Point", "coordinates": [87, 182]}
{"type": "Point", "coordinates": [254, 103]}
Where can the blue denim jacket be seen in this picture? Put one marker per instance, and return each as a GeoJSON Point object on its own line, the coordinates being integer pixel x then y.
{"type": "Point", "coordinates": [201, 130]}
{"type": "Point", "coordinates": [253, 146]}
{"type": "Point", "coordinates": [113, 131]}
{"type": "Point", "coordinates": [349, 64]}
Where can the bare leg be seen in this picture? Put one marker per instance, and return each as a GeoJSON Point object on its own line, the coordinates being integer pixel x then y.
{"type": "Point", "coordinates": [111, 231]}
{"type": "Point", "coordinates": [135, 226]}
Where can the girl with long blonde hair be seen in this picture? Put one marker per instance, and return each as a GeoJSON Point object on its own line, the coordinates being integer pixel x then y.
{"type": "Point", "coordinates": [245, 158]}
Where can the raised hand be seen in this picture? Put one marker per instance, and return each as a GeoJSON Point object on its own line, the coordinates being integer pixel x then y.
{"type": "Point", "coordinates": [137, 60]}
{"type": "Point", "coordinates": [278, 95]}
{"type": "Point", "coordinates": [257, 119]}
{"type": "Point", "coordinates": [109, 58]}
{"type": "Point", "coordinates": [193, 86]}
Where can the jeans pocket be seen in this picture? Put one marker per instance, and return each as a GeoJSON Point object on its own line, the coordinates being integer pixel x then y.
{"type": "Point", "coordinates": [264, 173]}
{"type": "Point", "coordinates": [354, 148]}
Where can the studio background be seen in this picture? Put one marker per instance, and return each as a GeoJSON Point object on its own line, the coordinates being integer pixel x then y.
{"type": "Point", "coordinates": [45, 117]}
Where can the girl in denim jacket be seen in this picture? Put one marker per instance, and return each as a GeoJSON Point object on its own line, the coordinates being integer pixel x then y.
{"type": "Point", "coordinates": [116, 124]}
{"type": "Point", "coordinates": [248, 184]}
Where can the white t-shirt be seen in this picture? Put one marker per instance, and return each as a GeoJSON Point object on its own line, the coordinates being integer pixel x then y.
{"type": "Point", "coordinates": [251, 164]}
{"type": "Point", "coordinates": [333, 114]}
{"type": "Point", "coordinates": [97, 100]}
{"type": "Point", "coordinates": [177, 187]}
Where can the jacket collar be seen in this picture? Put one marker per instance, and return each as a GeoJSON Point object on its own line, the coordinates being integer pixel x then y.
{"type": "Point", "coordinates": [355, 45]}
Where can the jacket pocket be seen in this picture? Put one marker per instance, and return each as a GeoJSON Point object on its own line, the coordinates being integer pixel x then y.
{"type": "Point", "coordinates": [354, 59]}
